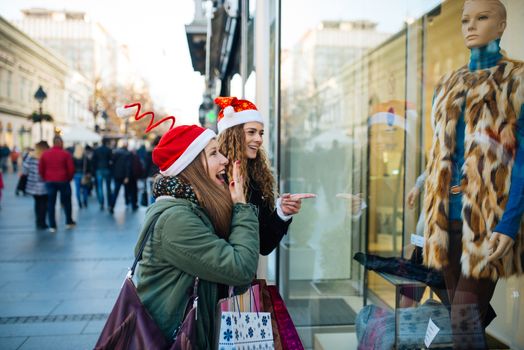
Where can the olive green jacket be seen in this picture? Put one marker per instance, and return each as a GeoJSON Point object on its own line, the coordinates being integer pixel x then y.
{"type": "Point", "coordinates": [184, 246]}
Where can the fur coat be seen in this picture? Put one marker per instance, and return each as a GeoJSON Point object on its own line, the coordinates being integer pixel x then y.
{"type": "Point", "coordinates": [491, 100]}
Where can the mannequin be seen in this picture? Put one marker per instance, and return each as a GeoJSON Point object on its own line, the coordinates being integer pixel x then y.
{"type": "Point", "coordinates": [475, 184]}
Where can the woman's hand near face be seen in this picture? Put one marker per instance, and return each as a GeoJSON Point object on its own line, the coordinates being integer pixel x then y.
{"type": "Point", "coordinates": [236, 187]}
{"type": "Point", "coordinates": [291, 203]}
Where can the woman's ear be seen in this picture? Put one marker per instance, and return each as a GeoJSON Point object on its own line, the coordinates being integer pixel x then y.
{"type": "Point", "coordinates": [502, 27]}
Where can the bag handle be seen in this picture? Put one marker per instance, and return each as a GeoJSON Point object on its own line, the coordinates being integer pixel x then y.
{"type": "Point", "coordinates": [252, 299]}
{"type": "Point", "coordinates": [150, 230]}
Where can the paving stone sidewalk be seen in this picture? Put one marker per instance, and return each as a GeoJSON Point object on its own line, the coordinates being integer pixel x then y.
{"type": "Point", "coordinates": [56, 289]}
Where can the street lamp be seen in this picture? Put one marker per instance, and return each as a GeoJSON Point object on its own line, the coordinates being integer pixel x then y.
{"type": "Point", "coordinates": [40, 96]}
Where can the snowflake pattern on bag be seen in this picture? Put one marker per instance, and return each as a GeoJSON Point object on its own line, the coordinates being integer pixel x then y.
{"type": "Point", "coordinates": [245, 331]}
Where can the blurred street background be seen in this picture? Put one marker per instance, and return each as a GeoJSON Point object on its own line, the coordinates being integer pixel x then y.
{"type": "Point", "coordinates": [57, 288]}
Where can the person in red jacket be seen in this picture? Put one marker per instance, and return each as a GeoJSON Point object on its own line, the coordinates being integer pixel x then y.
{"type": "Point", "coordinates": [57, 170]}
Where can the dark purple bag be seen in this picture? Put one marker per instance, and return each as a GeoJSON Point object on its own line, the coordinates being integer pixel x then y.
{"type": "Point", "coordinates": [131, 327]}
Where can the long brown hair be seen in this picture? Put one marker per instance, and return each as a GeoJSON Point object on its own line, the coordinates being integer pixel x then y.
{"type": "Point", "coordinates": [214, 199]}
{"type": "Point", "coordinates": [40, 148]}
{"type": "Point", "coordinates": [232, 143]}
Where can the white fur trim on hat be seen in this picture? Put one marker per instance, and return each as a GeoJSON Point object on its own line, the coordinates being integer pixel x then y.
{"type": "Point", "coordinates": [190, 153]}
{"type": "Point", "coordinates": [249, 115]}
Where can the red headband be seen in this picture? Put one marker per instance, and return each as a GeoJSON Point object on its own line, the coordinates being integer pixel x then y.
{"type": "Point", "coordinates": [122, 113]}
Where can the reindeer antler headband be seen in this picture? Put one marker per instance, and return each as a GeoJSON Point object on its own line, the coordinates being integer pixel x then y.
{"type": "Point", "coordinates": [126, 111]}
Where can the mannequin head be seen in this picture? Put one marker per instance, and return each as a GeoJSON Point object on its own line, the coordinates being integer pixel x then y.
{"type": "Point", "coordinates": [482, 21]}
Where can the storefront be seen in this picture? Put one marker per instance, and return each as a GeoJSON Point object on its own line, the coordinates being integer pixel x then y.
{"type": "Point", "coordinates": [347, 90]}
{"type": "Point", "coordinates": [356, 98]}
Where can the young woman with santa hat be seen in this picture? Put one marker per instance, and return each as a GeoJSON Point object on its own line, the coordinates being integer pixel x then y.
{"type": "Point", "coordinates": [241, 127]}
{"type": "Point", "coordinates": [204, 229]}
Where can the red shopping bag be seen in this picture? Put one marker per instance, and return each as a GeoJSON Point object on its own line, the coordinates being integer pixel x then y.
{"type": "Point", "coordinates": [286, 335]}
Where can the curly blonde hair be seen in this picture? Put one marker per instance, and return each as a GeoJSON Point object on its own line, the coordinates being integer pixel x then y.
{"type": "Point", "coordinates": [232, 145]}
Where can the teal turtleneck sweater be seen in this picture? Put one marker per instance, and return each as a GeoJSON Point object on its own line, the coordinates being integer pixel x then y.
{"type": "Point", "coordinates": [483, 58]}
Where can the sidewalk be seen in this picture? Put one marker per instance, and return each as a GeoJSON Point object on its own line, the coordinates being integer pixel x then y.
{"type": "Point", "coordinates": [58, 288]}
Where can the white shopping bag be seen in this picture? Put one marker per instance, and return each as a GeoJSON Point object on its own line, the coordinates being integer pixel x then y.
{"type": "Point", "coordinates": [245, 330]}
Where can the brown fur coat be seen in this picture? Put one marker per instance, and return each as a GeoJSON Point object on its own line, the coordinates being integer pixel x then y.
{"type": "Point", "coordinates": [492, 99]}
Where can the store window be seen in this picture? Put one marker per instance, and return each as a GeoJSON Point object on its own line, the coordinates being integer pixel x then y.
{"type": "Point", "coordinates": [356, 92]}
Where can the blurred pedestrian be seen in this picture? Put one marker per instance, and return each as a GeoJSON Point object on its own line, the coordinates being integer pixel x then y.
{"type": "Point", "coordinates": [1, 186]}
{"type": "Point", "coordinates": [102, 169]}
{"type": "Point", "coordinates": [121, 171]}
{"type": "Point", "coordinates": [35, 184]}
{"type": "Point", "coordinates": [82, 174]}
{"type": "Point", "coordinates": [137, 173]}
{"type": "Point", "coordinates": [4, 155]}
{"type": "Point", "coordinates": [15, 154]}
{"type": "Point", "coordinates": [57, 169]}
{"type": "Point", "coordinates": [151, 170]}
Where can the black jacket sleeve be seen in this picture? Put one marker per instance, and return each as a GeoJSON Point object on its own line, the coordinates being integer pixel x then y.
{"type": "Point", "coordinates": [271, 227]}
{"type": "Point", "coordinates": [272, 230]}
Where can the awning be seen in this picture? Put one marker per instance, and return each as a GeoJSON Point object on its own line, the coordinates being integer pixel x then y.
{"type": "Point", "coordinates": [79, 133]}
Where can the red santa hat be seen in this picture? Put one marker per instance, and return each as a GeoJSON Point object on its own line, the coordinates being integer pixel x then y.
{"type": "Point", "coordinates": [235, 112]}
{"type": "Point", "coordinates": [179, 147]}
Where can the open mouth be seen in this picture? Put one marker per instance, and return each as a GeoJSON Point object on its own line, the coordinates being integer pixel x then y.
{"type": "Point", "coordinates": [253, 148]}
{"type": "Point", "coordinates": [221, 176]}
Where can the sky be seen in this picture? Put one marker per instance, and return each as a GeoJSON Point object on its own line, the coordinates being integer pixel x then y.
{"type": "Point", "coordinates": [155, 34]}
{"type": "Point", "coordinates": [157, 42]}
{"type": "Point", "coordinates": [388, 14]}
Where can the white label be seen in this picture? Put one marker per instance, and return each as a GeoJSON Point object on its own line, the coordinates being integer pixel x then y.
{"type": "Point", "coordinates": [417, 240]}
{"type": "Point", "coordinates": [431, 333]}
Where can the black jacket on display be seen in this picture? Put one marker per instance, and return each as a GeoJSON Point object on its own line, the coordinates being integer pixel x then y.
{"type": "Point", "coordinates": [271, 227]}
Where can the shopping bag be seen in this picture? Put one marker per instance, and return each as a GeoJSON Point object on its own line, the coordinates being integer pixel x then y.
{"type": "Point", "coordinates": [287, 333]}
{"type": "Point", "coordinates": [267, 306]}
{"type": "Point", "coordinates": [242, 329]}
{"type": "Point", "coordinates": [248, 301]}
{"type": "Point", "coordinates": [21, 184]}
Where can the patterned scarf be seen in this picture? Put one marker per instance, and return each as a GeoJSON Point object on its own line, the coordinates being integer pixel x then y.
{"type": "Point", "coordinates": [174, 187]}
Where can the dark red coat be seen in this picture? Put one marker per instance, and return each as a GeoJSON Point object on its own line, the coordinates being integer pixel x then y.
{"type": "Point", "coordinates": [56, 165]}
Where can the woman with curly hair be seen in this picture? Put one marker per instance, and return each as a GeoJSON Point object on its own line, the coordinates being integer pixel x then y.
{"type": "Point", "coordinates": [241, 128]}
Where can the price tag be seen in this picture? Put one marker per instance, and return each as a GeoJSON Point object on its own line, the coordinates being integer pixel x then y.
{"type": "Point", "coordinates": [431, 333]}
{"type": "Point", "coordinates": [417, 240]}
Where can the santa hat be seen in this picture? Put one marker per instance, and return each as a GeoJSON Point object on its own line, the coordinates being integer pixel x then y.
{"type": "Point", "coordinates": [235, 112]}
{"type": "Point", "coordinates": [179, 147]}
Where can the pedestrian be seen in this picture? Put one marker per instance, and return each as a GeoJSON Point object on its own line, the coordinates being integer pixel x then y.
{"type": "Point", "coordinates": [151, 170]}
{"type": "Point", "coordinates": [474, 190]}
{"type": "Point", "coordinates": [35, 184]}
{"type": "Point", "coordinates": [1, 186]}
{"type": "Point", "coordinates": [131, 187]}
{"type": "Point", "coordinates": [121, 171]}
{"type": "Point", "coordinates": [81, 172]}
{"type": "Point", "coordinates": [4, 155]}
{"type": "Point", "coordinates": [241, 128]}
{"type": "Point", "coordinates": [15, 154]}
{"type": "Point", "coordinates": [57, 169]}
{"type": "Point", "coordinates": [102, 156]}
{"type": "Point", "coordinates": [205, 230]}
{"type": "Point", "coordinates": [89, 173]}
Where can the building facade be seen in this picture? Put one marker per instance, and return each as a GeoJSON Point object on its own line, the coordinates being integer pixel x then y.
{"type": "Point", "coordinates": [348, 107]}
{"type": "Point", "coordinates": [24, 66]}
{"type": "Point", "coordinates": [85, 45]}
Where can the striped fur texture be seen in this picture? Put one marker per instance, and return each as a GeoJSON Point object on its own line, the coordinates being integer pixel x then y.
{"type": "Point", "coordinates": [492, 99]}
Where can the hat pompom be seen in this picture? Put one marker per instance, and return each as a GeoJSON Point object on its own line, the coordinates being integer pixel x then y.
{"type": "Point", "coordinates": [229, 111]}
{"type": "Point", "coordinates": [123, 112]}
